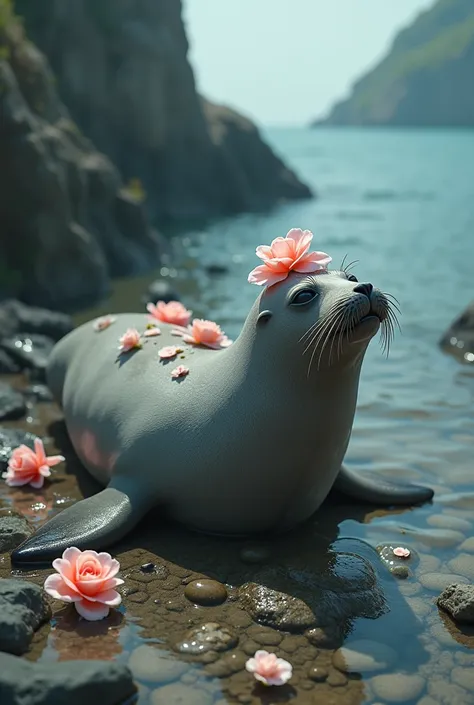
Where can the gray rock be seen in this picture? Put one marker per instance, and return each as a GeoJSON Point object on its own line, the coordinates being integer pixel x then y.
{"type": "Point", "coordinates": [23, 607]}
{"type": "Point", "coordinates": [39, 393]}
{"type": "Point", "coordinates": [156, 665]}
{"type": "Point", "coordinates": [30, 350]}
{"type": "Point", "coordinates": [276, 609]}
{"type": "Point", "coordinates": [71, 682]}
{"type": "Point", "coordinates": [14, 529]}
{"type": "Point", "coordinates": [16, 317]}
{"type": "Point", "coordinates": [8, 366]}
{"type": "Point", "coordinates": [11, 438]}
{"type": "Point", "coordinates": [458, 601]}
{"type": "Point", "coordinates": [180, 694]}
{"type": "Point", "coordinates": [12, 403]}
{"type": "Point", "coordinates": [459, 338]}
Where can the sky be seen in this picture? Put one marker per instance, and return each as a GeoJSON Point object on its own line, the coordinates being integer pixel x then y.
{"type": "Point", "coordinates": [287, 61]}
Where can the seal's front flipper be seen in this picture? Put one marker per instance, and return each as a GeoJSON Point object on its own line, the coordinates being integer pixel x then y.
{"type": "Point", "coordinates": [374, 489]}
{"type": "Point", "coordinates": [93, 523]}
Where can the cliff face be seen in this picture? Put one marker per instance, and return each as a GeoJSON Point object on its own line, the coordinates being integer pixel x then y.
{"type": "Point", "coordinates": [426, 78]}
{"type": "Point", "coordinates": [123, 72]}
{"type": "Point", "coordinates": [66, 223]}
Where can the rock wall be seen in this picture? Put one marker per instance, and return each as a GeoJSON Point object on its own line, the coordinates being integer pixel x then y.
{"type": "Point", "coordinates": [123, 72]}
{"type": "Point", "coordinates": [66, 222]}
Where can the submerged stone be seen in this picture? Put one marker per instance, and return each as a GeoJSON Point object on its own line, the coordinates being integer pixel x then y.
{"type": "Point", "coordinates": [276, 609]}
{"type": "Point", "coordinates": [208, 637]}
{"type": "Point", "coordinates": [206, 592]}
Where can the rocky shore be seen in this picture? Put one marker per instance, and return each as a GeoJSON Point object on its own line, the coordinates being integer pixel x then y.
{"type": "Point", "coordinates": [195, 608]}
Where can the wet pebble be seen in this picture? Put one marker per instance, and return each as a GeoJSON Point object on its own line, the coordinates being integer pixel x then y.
{"type": "Point", "coordinates": [208, 637]}
{"type": "Point", "coordinates": [463, 677]}
{"type": "Point", "coordinates": [397, 687]}
{"type": "Point", "coordinates": [428, 564]}
{"type": "Point", "coordinates": [255, 553]}
{"type": "Point", "coordinates": [148, 567]}
{"type": "Point", "coordinates": [458, 601]}
{"type": "Point", "coordinates": [30, 351]}
{"type": "Point", "coordinates": [205, 592]}
{"type": "Point", "coordinates": [397, 566]}
{"type": "Point", "coordinates": [327, 638]}
{"type": "Point", "coordinates": [12, 403]}
{"type": "Point", "coordinates": [467, 545]}
{"type": "Point", "coordinates": [39, 392]}
{"type": "Point", "coordinates": [291, 643]}
{"type": "Point", "coordinates": [336, 679]}
{"type": "Point", "coordinates": [446, 521]}
{"type": "Point", "coordinates": [227, 665]}
{"type": "Point", "coordinates": [439, 581]}
{"type": "Point", "coordinates": [265, 637]}
{"type": "Point", "coordinates": [463, 563]}
{"type": "Point", "coordinates": [438, 538]}
{"type": "Point", "coordinates": [275, 609]}
{"type": "Point", "coordinates": [420, 606]}
{"type": "Point", "coordinates": [318, 673]}
{"type": "Point", "coordinates": [427, 700]}
{"type": "Point", "coordinates": [155, 665]}
{"type": "Point", "coordinates": [364, 656]}
{"type": "Point", "coordinates": [250, 647]}
{"type": "Point", "coordinates": [442, 636]}
{"type": "Point", "coordinates": [180, 694]}
{"type": "Point", "coordinates": [14, 529]}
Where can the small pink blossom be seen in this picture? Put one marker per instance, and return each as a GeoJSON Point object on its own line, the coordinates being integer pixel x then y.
{"type": "Point", "coordinates": [268, 669]}
{"type": "Point", "coordinates": [401, 552]}
{"type": "Point", "coordinates": [169, 351]}
{"type": "Point", "coordinates": [287, 254]}
{"type": "Point", "coordinates": [206, 333]}
{"type": "Point", "coordinates": [130, 340]}
{"type": "Point", "coordinates": [103, 322]}
{"type": "Point", "coordinates": [172, 312]}
{"type": "Point", "coordinates": [151, 332]}
{"type": "Point", "coordinates": [180, 371]}
{"type": "Point", "coordinates": [28, 467]}
{"type": "Point", "coordinates": [87, 579]}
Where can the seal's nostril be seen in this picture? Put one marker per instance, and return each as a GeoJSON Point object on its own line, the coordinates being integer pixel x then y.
{"type": "Point", "coordinates": [364, 289]}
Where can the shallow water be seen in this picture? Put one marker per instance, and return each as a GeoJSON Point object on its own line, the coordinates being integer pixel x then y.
{"type": "Point", "coordinates": [401, 203]}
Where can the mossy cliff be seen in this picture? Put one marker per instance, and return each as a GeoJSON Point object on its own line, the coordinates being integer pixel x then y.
{"type": "Point", "coordinates": [426, 79]}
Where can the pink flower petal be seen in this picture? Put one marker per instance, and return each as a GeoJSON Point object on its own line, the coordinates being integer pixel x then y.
{"type": "Point", "coordinates": [401, 552]}
{"type": "Point", "coordinates": [92, 611]}
{"type": "Point", "coordinates": [264, 252]}
{"type": "Point", "coordinates": [302, 240]}
{"type": "Point", "coordinates": [55, 586]}
{"type": "Point", "coordinates": [281, 248]}
{"type": "Point", "coordinates": [39, 451]}
{"type": "Point", "coordinates": [109, 597]}
{"type": "Point", "coordinates": [151, 332]}
{"type": "Point", "coordinates": [180, 371]}
{"type": "Point", "coordinates": [262, 276]}
{"type": "Point", "coordinates": [168, 352]}
{"type": "Point", "coordinates": [37, 482]}
{"type": "Point", "coordinates": [53, 460]}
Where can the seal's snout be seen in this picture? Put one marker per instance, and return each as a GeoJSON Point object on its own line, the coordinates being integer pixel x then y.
{"type": "Point", "coordinates": [366, 289]}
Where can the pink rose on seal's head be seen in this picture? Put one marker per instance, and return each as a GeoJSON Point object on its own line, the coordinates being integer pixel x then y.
{"type": "Point", "coordinates": [269, 669]}
{"type": "Point", "coordinates": [30, 467]}
{"type": "Point", "coordinates": [172, 312]}
{"type": "Point", "coordinates": [287, 254]}
{"type": "Point", "coordinates": [206, 333]}
{"type": "Point", "coordinates": [87, 579]}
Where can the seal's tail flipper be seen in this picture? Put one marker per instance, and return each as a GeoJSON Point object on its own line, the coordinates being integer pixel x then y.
{"type": "Point", "coordinates": [377, 490]}
{"type": "Point", "coordinates": [93, 523]}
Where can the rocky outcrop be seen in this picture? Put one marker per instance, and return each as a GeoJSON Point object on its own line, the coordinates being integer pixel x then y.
{"type": "Point", "coordinates": [66, 223]}
{"type": "Point", "coordinates": [458, 340]}
{"type": "Point", "coordinates": [123, 72]}
{"type": "Point", "coordinates": [425, 79]}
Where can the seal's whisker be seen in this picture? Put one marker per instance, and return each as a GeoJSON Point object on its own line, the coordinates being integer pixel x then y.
{"type": "Point", "coordinates": [336, 322]}
{"type": "Point", "coordinates": [392, 301]}
{"type": "Point", "coordinates": [324, 331]}
{"type": "Point", "coordinates": [314, 329]}
{"type": "Point", "coordinates": [319, 331]}
{"type": "Point", "coordinates": [351, 265]}
{"type": "Point", "coordinates": [343, 261]}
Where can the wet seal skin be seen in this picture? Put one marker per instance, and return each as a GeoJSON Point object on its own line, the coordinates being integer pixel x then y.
{"type": "Point", "coordinates": [251, 441]}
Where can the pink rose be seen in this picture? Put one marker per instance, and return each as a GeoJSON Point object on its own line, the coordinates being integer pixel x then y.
{"type": "Point", "coordinates": [401, 552]}
{"type": "Point", "coordinates": [130, 340]}
{"type": "Point", "coordinates": [30, 467]}
{"type": "Point", "coordinates": [87, 579]}
{"type": "Point", "coordinates": [180, 371]}
{"type": "Point", "coordinates": [287, 254]}
{"type": "Point", "coordinates": [268, 669]}
{"type": "Point", "coordinates": [206, 333]}
{"type": "Point", "coordinates": [172, 312]}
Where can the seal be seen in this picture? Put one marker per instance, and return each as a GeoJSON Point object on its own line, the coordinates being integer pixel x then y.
{"type": "Point", "coordinates": [250, 440]}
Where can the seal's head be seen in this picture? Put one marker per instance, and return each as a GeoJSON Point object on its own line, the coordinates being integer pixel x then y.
{"type": "Point", "coordinates": [331, 315]}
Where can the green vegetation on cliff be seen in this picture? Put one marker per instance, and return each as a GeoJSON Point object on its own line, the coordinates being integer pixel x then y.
{"type": "Point", "coordinates": [426, 78]}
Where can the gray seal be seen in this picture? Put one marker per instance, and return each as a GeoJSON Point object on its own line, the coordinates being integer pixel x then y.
{"type": "Point", "coordinates": [251, 440]}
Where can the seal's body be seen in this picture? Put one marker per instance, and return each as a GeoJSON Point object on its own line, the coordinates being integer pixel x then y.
{"type": "Point", "coordinates": [251, 440]}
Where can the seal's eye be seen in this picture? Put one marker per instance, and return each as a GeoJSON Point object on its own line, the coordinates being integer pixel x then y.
{"type": "Point", "coordinates": [303, 297]}
{"type": "Point", "coordinates": [352, 278]}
